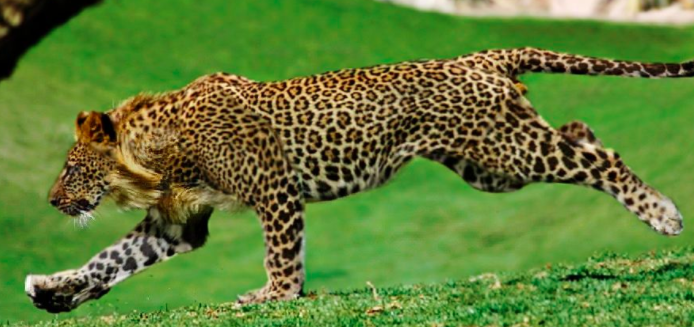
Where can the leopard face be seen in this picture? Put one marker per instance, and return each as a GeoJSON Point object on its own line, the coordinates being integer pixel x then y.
{"type": "Point", "coordinates": [82, 183]}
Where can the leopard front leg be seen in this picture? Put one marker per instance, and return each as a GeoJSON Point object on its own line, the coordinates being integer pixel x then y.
{"type": "Point", "coordinates": [283, 225]}
{"type": "Point", "coordinates": [277, 199]}
{"type": "Point", "coordinates": [153, 240]}
{"type": "Point", "coordinates": [257, 173]}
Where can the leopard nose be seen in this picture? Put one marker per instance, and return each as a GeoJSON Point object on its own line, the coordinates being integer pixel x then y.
{"type": "Point", "coordinates": [57, 196]}
{"type": "Point", "coordinates": [54, 202]}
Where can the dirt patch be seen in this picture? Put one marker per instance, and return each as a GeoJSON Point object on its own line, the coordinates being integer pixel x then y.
{"type": "Point", "coordinates": [671, 12]}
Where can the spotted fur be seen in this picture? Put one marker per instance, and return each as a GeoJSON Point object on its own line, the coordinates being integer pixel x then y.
{"type": "Point", "coordinates": [226, 141]}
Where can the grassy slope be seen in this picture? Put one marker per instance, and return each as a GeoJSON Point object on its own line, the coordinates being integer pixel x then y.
{"type": "Point", "coordinates": [656, 289]}
{"type": "Point", "coordinates": [425, 226]}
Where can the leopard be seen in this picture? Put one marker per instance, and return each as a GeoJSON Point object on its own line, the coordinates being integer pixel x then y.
{"type": "Point", "coordinates": [225, 142]}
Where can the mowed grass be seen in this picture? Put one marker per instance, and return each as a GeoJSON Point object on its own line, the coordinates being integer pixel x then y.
{"type": "Point", "coordinates": [655, 289]}
{"type": "Point", "coordinates": [425, 226]}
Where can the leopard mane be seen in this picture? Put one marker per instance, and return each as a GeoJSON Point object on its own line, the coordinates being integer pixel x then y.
{"type": "Point", "coordinates": [138, 183]}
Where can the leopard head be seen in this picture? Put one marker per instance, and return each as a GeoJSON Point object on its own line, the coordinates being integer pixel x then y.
{"type": "Point", "coordinates": [83, 182]}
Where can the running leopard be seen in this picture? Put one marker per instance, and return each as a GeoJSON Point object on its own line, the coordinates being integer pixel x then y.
{"type": "Point", "coordinates": [226, 141]}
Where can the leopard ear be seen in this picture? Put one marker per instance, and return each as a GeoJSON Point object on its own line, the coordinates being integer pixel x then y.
{"type": "Point", "coordinates": [94, 127]}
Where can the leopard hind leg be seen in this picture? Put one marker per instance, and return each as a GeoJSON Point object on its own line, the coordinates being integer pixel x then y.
{"type": "Point", "coordinates": [478, 177]}
{"type": "Point", "coordinates": [484, 180]}
{"type": "Point", "coordinates": [580, 133]}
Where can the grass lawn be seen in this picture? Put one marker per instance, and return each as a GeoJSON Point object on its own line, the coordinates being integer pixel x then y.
{"type": "Point", "coordinates": [655, 289]}
{"type": "Point", "coordinates": [427, 226]}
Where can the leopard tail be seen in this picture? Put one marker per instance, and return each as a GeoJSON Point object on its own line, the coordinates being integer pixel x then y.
{"type": "Point", "coordinates": [514, 62]}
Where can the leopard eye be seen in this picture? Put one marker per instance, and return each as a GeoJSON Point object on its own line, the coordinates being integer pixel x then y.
{"type": "Point", "coordinates": [73, 169]}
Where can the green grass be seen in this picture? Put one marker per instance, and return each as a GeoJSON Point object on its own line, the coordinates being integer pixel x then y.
{"type": "Point", "coordinates": [426, 226]}
{"type": "Point", "coordinates": [655, 289]}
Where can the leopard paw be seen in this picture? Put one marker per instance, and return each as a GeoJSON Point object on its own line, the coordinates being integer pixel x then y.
{"type": "Point", "coordinates": [62, 292]}
{"type": "Point", "coordinates": [269, 293]}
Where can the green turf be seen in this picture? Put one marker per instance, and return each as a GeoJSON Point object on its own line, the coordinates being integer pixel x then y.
{"type": "Point", "coordinates": [426, 226]}
{"type": "Point", "coordinates": [655, 289]}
